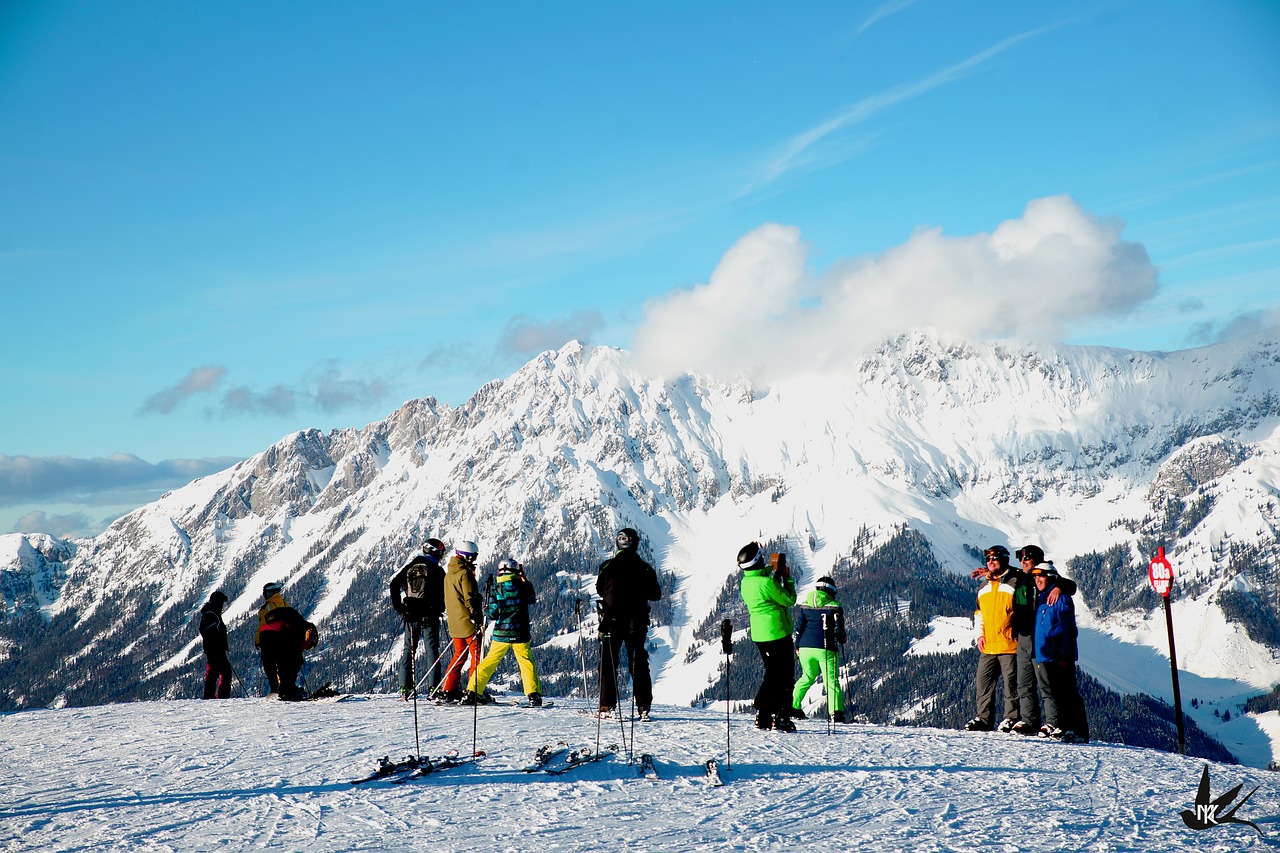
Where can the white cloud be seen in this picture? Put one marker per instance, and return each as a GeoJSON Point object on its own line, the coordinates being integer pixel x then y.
{"type": "Point", "coordinates": [198, 381]}
{"type": "Point", "coordinates": [62, 526]}
{"type": "Point", "coordinates": [526, 336]}
{"type": "Point", "coordinates": [884, 10]}
{"type": "Point", "coordinates": [1238, 326]}
{"type": "Point", "coordinates": [733, 322]}
{"type": "Point", "coordinates": [120, 477]}
{"type": "Point", "coordinates": [764, 314]}
{"type": "Point", "coordinates": [796, 153]}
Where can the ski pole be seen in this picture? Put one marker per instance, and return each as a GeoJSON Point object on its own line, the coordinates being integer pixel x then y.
{"type": "Point", "coordinates": [475, 664]}
{"type": "Point", "coordinates": [622, 726]}
{"type": "Point", "coordinates": [828, 642]}
{"type": "Point", "coordinates": [386, 660]}
{"type": "Point", "coordinates": [447, 647]}
{"type": "Point", "coordinates": [582, 652]}
{"type": "Point", "coordinates": [410, 652]}
{"type": "Point", "coordinates": [726, 646]}
{"type": "Point", "coordinates": [844, 688]}
{"type": "Point", "coordinates": [606, 647]}
{"type": "Point", "coordinates": [417, 743]}
{"type": "Point", "coordinates": [631, 745]}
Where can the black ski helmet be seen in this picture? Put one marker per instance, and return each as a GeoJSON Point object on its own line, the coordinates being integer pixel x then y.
{"type": "Point", "coordinates": [627, 539]}
{"type": "Point", "coordinates": [749, 555]}
{"type": "Point", "coordinates": [1034, 553]}
{"type": "Point", "coordinates": [1000, 552]}
{"type": "Point", "coordinates": [433, 548]}
{"type": "Point", "coordinates": [272, 588]}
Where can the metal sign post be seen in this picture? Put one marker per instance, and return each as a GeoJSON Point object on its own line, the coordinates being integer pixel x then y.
{"type": "Point", "coordinates": [1160, 573]}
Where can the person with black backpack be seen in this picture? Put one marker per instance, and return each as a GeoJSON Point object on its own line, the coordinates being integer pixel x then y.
{"type": "Point", "coordinates": [417, 594]}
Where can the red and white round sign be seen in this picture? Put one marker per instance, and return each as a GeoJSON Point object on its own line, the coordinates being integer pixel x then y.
{"type": "Point", "coordinates": [1161, 574]}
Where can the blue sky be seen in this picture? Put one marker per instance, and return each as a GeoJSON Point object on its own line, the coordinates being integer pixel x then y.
{"type": "Point", "coordinates": [223, 222]}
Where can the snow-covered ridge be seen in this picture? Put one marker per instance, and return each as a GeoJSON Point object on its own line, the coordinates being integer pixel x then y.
{"type": "Point", "coordinates": [967, 442]}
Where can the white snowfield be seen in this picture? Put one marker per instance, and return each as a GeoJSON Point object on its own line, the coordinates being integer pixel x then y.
{"type": "Point", "coordinates": [257, 774]}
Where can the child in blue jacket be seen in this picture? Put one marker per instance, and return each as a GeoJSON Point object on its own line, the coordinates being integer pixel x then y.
{"type": "Point", "coordinates": [819, 628]}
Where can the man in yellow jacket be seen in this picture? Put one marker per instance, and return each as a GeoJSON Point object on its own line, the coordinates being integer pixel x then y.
{"type": "Point", "coordinates": [997, 646]}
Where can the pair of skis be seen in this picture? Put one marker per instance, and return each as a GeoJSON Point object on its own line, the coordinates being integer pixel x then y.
{"type": "Point", "coordinates": [559, 758]}
{"type": "Point", "coordinates": [649, 770]}
{"type": "Point", "coordinates": [416, 766]}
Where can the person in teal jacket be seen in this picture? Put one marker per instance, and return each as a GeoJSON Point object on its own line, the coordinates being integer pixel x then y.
{"type": "Point", "coordinates": [769, 593]}
{"type": "Point", "coordinates": [819, 628]}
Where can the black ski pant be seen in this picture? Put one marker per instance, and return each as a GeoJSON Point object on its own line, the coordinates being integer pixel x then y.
{"type": "Point", "coordinates": [1063, 706]}
{"type": "Point", "coordinates": [1028, 686]}
{"type": "Point", "coordinates": [774, 695]}
{"type": "Point", "coordinates": [217, 678]}
{"type": "Point", "coordinates": [414, 629]}
{"type": "Point", "coordinates": [611, 644]}
{"type": "Point", "coordinates": [281, 663]}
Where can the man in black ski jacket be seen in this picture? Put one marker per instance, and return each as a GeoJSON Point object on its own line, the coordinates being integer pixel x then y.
{"type": "Point", "coordinates": [626, 584]}
{"type": "Point", "coordinates": [417, 594]}
{"type": "Point", "coordinates": [213, 635]}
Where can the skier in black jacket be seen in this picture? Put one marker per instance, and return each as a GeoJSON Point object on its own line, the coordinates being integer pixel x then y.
{"type": "Point", "coordinates": [626, 584]}
{"type": "Point", "coordinates": [417, 594]}
{"type": "Point", "coordinates": [213, 635]}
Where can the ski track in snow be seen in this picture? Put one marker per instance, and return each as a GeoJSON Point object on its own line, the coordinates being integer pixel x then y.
{"type": "Point", "coordinates": [265, 775]}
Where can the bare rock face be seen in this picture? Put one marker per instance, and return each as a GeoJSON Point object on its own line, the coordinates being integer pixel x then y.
{"type": "Point", "coordinates": [1195, 466]}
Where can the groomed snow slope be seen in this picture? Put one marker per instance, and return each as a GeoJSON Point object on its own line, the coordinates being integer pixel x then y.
{"type": "Point", "coordinates": [265, 775]}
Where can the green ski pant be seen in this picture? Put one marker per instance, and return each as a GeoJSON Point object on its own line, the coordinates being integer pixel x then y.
{"type": "Point", "coordinates": [815, 662]}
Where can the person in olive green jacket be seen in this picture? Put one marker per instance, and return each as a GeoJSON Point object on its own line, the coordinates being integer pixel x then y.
{"type": "Point", "coordinates": [464, 610]}
{"type": "Point", "coordinates": [769, 593]}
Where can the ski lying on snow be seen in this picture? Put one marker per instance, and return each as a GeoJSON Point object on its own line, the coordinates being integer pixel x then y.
{"type": "Point", "coordinates": [546, 752]}
{"type": "Point", "coordinates": [387, 768]}
{"type": "Point", "coordinates": [448, 761]}
{"type": "Point", "coordinates": [577, 758]}
{"type": "Point", "coordinates": [713, 773]}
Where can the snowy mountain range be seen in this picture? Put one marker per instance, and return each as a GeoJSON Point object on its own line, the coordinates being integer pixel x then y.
{"type": "Point", "coordinates": [1098, 454]}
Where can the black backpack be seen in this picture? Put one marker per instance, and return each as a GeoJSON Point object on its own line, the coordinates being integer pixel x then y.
{"type": "Point", "coordinates": [415, 582]}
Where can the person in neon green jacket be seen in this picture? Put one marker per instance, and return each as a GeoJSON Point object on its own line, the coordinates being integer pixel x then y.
{"type": "Point", "coordinates": [819, 628]}
{"type": "Point", "coordinates": [769, 593]}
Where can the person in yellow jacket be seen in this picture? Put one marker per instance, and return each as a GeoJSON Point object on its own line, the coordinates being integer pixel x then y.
{"type": "Point", "coordinates": [272, 598]}
{"type": "Point", "coordinates": [997, 646]}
